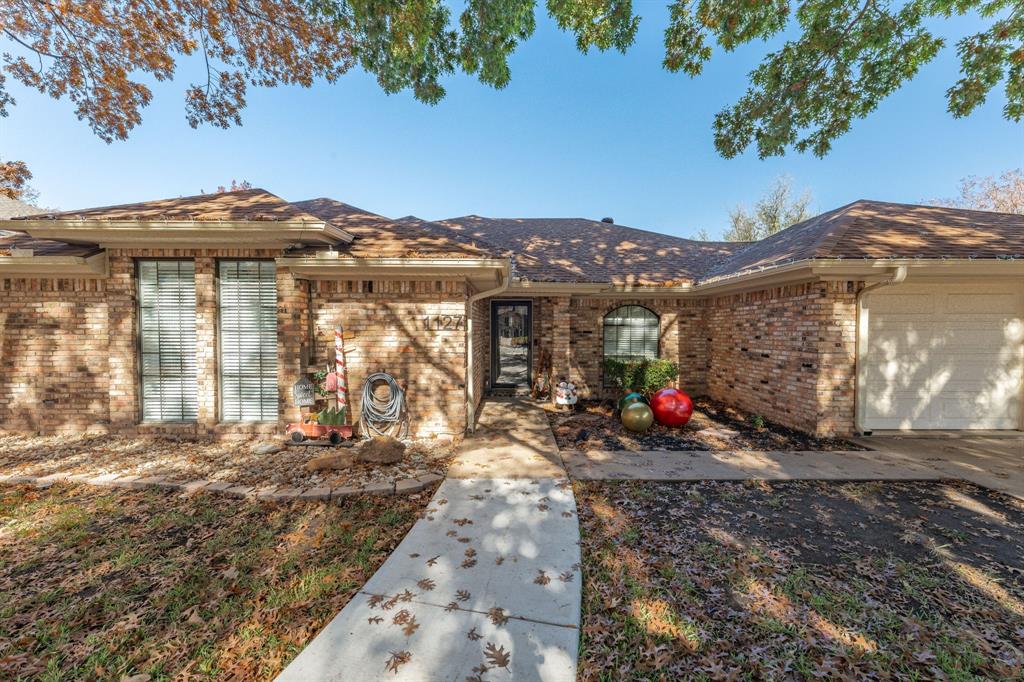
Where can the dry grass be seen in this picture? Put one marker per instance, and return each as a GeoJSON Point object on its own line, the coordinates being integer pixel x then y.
{"type": "Point", "coordinates": [801, 580]}
{"type": "Point", "coordinates": [101, 584]}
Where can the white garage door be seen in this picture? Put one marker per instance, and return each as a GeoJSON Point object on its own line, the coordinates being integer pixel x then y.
{"type": "Point", "coordinates": [943, 356]}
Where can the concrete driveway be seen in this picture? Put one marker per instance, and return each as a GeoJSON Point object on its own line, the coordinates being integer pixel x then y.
{"type": "Point", "coordinates": [990, 461]}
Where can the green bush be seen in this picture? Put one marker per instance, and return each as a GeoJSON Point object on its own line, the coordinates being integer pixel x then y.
{"type": "Point", "coordinates": [643, 376]}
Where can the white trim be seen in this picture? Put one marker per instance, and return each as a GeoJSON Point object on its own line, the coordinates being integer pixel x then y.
{"type": "Point", "coordinates": [164, 233]}
{"type": "Point", "coordinates": [63, 267]}
{"type": "Point", "coordinates": [312, 267]}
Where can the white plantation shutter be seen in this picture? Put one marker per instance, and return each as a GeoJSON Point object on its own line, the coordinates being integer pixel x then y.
{"type": "Point", "coordinates": [167, 335]}
{"type": "Point", "coordinates": [631, 333]}
{"type": "Point", "coordinates": [248, 340]}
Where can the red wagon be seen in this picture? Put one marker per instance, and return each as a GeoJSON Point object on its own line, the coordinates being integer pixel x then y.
{"type": "Point", "coordinates": [299, 432]}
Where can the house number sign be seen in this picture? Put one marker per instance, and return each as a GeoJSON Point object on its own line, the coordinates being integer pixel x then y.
{"type": "Point", "coordinates": [443, 323]}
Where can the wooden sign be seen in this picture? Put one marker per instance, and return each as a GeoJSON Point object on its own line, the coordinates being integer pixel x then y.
{"type": "Point", "coordinates": [302, 393]}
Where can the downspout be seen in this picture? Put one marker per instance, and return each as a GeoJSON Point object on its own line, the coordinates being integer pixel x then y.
{"type": "Point", "coordinates": [898, 276]}
{"type": "Point", "coordinates": [506, 277]}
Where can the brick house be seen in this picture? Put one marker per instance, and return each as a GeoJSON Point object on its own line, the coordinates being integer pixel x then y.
{"type": "Point", "coordinates": [196, 315]}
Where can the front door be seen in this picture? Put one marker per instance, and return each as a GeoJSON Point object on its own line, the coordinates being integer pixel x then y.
{"type": "Point", "coordinates": [511, 335]}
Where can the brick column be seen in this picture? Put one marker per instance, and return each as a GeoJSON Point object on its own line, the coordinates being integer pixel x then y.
{"type": "Point", "coordinates": [124, 408]}
{"type": "Point", "coordinates": [837, 359]}
{"type": "Point", "coordinates": [561, 338]}
{"type": "Point", "coordinates": [206, 343]}
{"type": "Point", "coordinates": [291, 332]}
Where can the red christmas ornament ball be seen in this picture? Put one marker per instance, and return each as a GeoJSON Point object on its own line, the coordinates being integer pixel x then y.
{"type": "Point", "coordinates": [671, 407]}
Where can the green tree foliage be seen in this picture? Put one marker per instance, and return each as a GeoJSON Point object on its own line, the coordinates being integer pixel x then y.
{"type": "Point", "coordinates": [839, 59]}
{"type": "Point", "coordinates": [774, 212]}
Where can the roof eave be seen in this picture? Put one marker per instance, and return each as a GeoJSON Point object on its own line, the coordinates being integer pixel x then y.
{"type": "Point", "coordinates": [120, 233]}
{"type": "Point", "coordinates": [62, 267]}
{"type": "Point", "coordinates": [480, 272]}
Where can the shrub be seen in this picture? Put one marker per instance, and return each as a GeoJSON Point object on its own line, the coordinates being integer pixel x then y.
{"type": "Point", "coordinates": [644, 376]}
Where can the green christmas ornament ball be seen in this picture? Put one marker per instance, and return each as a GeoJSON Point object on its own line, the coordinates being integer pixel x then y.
{"type": "Point", "coordinates": [637, 417]}
{"type": "Point", "coordinates": [629, 399]}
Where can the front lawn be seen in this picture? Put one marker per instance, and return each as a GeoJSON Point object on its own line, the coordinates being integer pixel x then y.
{"type": "Point", "coordinates": [801, 580]}
{"type": "Point", "coordinates": [101, 584]}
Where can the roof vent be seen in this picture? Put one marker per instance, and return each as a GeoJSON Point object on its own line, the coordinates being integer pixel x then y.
{"type": "Point", "coordinates": [610, 221]}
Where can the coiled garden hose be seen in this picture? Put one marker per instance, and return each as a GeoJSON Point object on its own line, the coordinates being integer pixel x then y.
{"type": "Point", "coordinates": [381, 416]}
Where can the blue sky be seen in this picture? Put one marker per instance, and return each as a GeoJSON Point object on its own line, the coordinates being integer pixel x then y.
{"type": "Point", "coordinates": [572, 136]}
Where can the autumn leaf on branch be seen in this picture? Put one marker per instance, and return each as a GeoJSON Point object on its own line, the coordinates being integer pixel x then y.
{"type": "Point", "coordinates": [14, 177]}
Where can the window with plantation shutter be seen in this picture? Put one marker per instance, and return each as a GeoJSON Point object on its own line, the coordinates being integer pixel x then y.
{"type": "Point", "coordinates": [248, 340]}
{"type": "Point", "coordinates": [167, 339]}
{"type": "Point", "coordinates": [631, 333]}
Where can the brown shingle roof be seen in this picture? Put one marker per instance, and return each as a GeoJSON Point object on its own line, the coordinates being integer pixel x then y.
{"type": "Point", "coordinates": [12, 208]}
{"type": "Point", "coordinates": [244, 205]}
{"type": "Point", "coordinates": [581, 250]}
{"type": "Point", "coordinates": [43, 247]}
{"type": "Point", "coordinates": [380, 237]}
{"type": "Point", "coordinates": [881, 230]}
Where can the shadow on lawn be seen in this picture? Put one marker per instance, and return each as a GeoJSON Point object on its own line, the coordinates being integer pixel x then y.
{"type": "Point", "coordinates": [99, 584]}
{"type": "Point", "coordinates": [801, 579]}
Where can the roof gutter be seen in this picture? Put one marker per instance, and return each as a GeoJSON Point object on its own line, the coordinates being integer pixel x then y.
{"type": "Point", "coordinates": [504, 280]}
{"type": "Point", "coordinates": [156, 232]}
{"type": "Point", "coordinates": [897, 276]}
{"type": "Point", "coordinates": [56, 267]}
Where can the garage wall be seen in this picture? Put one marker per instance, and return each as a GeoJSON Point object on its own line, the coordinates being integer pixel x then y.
{"type": "Point", "coordinates": [937, 355]}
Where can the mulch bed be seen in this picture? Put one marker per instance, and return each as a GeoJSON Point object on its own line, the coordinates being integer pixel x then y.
{"type": "Point", "coordinates": [235, 461]}
{"type": "Point", "coordinates": [801, 580]}
{"type": "Point", "coordinates": [100, 584]}
{"type": "Point", "coordinates": [714, 426]}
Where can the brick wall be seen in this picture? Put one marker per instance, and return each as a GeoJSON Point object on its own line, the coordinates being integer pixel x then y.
{"type": "Point", "coordinates": [480, 348]}
{"type": "Point", "coordinates": [570, 332]}
{"type": "Point", "coordinates": [68, 348]}
{"type": "Point", "coordinates": [787, 354]}
{"type": "Point", "coordinates": [384, 331]}
{"type": "Point", "coordinates": [53, 355]}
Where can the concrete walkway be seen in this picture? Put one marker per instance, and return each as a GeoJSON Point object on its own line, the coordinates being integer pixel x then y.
{"type": "Point", "coordinates": [492, 570]}
{"type": "Point", "coordinates": [993, 462]}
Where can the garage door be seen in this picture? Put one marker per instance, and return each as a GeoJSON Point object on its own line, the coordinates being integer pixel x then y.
{"type": "Point", "coordinates": [943, 356]}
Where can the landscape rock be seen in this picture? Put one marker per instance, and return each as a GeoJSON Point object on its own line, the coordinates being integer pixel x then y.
{"type": "Point", "coordinates": [268, 449]}
{"type": "Point", "coordinates": [381, 451]}
{"type": "Point", "coordinates": [330, 462]}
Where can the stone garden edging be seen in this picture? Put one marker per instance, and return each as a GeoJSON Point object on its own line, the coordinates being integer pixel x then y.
{"type": "Point", "coordinates": [403, 486]}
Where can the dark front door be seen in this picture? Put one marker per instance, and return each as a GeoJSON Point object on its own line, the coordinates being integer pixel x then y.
{"type": "Point", "coordinates": [511, 335]}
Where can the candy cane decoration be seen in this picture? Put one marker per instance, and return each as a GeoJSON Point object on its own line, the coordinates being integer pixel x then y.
{"type": "Point", "coordinates": [339, 366]}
